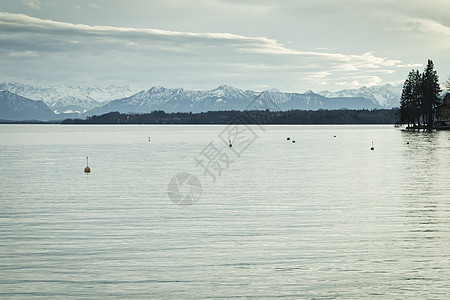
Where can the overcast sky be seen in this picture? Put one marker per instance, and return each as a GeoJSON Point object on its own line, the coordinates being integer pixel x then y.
{"type": "Point", "coordinates": [291, 45]}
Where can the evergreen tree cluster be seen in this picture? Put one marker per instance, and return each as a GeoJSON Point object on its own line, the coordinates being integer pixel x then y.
{"type": "Point", "coordinates": [420, 97]}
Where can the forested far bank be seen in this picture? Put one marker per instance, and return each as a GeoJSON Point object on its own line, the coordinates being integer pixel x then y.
{"type": "Point", "coordinates": [380, 116]}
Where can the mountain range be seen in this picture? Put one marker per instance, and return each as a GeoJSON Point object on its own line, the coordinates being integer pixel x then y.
{"type": "Point", "coordinates": [17, 108]}
{"type": "Point", "coordinates": [67, 102]}
{"type": "Point", "coordinates": [66, 99]}
{"type": "Point", "coordinates": [387, 96]}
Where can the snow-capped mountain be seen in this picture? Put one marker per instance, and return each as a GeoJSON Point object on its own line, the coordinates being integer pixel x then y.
{"type": "Point", "coordinates": [179, 100]}
{"type": "Point", "coordinates": [227, 98]}
{"type": "Point", "coordinates": [386, 96]}
{"type": "Point", "coordinates": [15, 107]}
{"type": "Point", "coordinates": [313, 101]}
{"type": "Point", "coordinates": [66, 99]}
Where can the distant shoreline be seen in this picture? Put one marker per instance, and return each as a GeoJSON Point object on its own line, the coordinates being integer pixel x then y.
{"type": "Point", "coordinates": [292, 117]}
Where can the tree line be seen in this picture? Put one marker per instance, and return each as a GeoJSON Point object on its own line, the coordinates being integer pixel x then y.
{"type": "Point", "coordinates": [343, 116]}
{"type": "Point", "coordinates": [420, 98]}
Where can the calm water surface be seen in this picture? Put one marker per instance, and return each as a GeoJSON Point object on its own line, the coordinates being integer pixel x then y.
{"type": "Point", "coordinates": [323, 218]}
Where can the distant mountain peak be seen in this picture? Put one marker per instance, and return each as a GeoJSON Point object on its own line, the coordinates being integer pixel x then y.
{"type": "Point", "coordinates": [228, 91]}
{"type": "Point", "coordinates": [157, 88]}
{"type": "Point", "coordinates": [273, 90]}
{"type": "Point", "coordinates": [387, 95]}
{"type": "Point", "coordinates": [223, 86]}
{"type": "Point", "coordinates": [63, 97]}
{"type": "Point", "coordinates": [16, 107]}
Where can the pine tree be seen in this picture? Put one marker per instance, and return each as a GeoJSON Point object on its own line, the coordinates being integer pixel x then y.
{"type": "Point", "coordinates": [416, 96]}
{"type": "Point", "coordinates": [411, 99]}
{"type": "Point", "coordinates": [405, 102]}
{"type": "Point", "coordinates": [430, 93]}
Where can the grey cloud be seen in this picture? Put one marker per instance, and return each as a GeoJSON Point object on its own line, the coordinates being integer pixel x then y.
{"type": "Point", "coordinates": [78, 52]}
{"type": "Point", "coordinates": [33, 4]}
{"type": "Point", "coordinates": [18, 26]}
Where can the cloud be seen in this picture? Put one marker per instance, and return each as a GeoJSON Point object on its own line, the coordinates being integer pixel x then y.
{"type": "Point", "coordinates": [33, 4]}
{"type": "Point", "coordinates": [254, 8]}
{"type": "Point", "coordinates": [22, 55]}
{"type": "Point", "coordinates": [79, 52]}
{"type": "Point", "coordinates": [426, 26]}
{"type": "Point", "coordinates": [60, 31]}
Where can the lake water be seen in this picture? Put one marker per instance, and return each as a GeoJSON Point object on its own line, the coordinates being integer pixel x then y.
{"type": "Point", "coordinates": [322, 218]}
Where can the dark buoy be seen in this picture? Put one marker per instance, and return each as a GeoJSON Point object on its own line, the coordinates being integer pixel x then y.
{"type": "Point", "coordinates": [230, 144]}
{"type": "Point", "coordinates": [407, 143]}
{"type": "Point", "coordinates": [149, 139]}
{"type": "Point", "coordinates": [288, 139]}
{"type": "Point", "coordinates": [372, 148]}
{"type": "Point", "coordinates": [334, 136]}
{"type": "Point", "coordinates": [87, 169]}
{"type": "Point", "coordinates": [293, 141]}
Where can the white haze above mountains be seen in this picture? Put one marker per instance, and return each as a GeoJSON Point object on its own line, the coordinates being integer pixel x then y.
{"type": "Point", "coordinates": [66, 101]}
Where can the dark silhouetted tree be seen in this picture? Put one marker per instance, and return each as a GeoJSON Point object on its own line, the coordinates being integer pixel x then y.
{"type": "Point", "coordinates": [431, 93]}
{"type": "Point", "coordinates": [406, 103]}
{"type": "Point", "coordinates": [411, 109]}
{"type": "Point", "coordinates": [446, 99]}
{"type": "Point", "coordinates": [420, 97]}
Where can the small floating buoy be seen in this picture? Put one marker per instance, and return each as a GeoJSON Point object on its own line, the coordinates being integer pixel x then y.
{"type": "Point", "coordinates": [87, 169]}
{"type": "Point", "coordinates": [372, 148]}
{"type": "Point", "coordinates": [407, 143]}
{"type": "Point", "coordinates": [229, 143]}
{"type": "Point", "coordinates": [334, 136]}
{"type": "Point", "coordinates": [149, 139]}
{"type": "Point", "coordinates": [288, 139]}
{"type": "Point", "coordinates": [293, 141]}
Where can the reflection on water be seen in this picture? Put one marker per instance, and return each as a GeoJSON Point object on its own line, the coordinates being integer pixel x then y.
{"type": "Point", "coordinates": [426, 237]}
{"type": "Point", "coordinates": [323, 218]}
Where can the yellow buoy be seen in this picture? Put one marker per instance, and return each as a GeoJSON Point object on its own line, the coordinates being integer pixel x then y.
{"type": "Point", "coordinates": [87, 169]}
